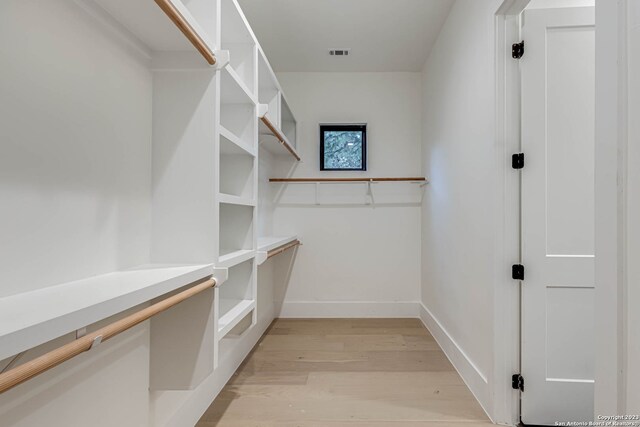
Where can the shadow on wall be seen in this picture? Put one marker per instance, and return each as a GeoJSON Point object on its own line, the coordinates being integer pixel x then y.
{"type": "Point", "coordinates": [283, 266]}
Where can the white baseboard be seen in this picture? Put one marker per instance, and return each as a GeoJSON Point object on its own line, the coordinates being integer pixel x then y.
{"type": "Point", "coordinates": [470, 373]}
{"type": "Point", "coordinates": [346, 309]}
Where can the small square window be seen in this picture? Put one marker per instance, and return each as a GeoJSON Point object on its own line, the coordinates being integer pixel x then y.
{"type": "Point", "coordinates": [343, 147]}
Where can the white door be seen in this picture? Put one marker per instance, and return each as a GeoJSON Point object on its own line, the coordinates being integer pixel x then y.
{"type": "Point", "coordinates": [558, 82]}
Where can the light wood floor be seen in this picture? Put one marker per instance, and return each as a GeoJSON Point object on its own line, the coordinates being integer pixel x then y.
{"type": "Point", "coordinates": [345, 372]}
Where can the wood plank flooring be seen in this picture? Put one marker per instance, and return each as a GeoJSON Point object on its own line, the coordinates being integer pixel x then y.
{"type": "Point", "coordinates": [345, 373]}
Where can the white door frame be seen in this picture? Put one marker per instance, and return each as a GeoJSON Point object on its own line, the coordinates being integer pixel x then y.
{"type": "Point", "coordinates": [506, 319]}
{"type": "Point", "coordinates": [611, 186]}
{"type": "Point", "coordinates": [611, 142]}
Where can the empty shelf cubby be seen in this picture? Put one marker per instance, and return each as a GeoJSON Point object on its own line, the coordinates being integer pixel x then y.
{"type": "Point", "coordinates": [236, 297]}
{"type": "Point", "coordinates": [237, 39]}
{"type": "Point", "coordinates": [236, 172]}
{"type": "Point", "coordinates": [238, 112]}
{"type": "Point", "coordinates": [236, 230]}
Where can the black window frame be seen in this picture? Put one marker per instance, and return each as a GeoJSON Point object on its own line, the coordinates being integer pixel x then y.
{"type": "Point", "coordinates": [329, 127]}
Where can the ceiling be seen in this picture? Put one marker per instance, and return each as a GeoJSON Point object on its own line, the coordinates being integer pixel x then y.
{"type": "Point", "coordinates": [383, 35]}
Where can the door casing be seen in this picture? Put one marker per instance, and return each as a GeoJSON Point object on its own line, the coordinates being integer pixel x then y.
{"type": "Point", "coordinates": [611, 142]}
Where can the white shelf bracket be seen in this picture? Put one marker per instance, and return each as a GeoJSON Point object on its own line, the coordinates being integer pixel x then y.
{"type": "Point", "coordinates": [96, 342]}
{"type": "Point", "coordinates": [370, 200]}
{"type": "Point", "coordinates": [222, 59]}
{"type": "Point", "coordinates": [261, 257]}
{"type": "Point", "coordinates": [220, 275]}
{"type": "Point", "coordinates": [263, 109]}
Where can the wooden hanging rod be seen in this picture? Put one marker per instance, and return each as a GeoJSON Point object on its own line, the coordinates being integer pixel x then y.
{"type": "Point", "coordinates": [410, 179]}
{"type": "Point", "coordinates": [276, 132]}
{"type": "Point", "coordinates": [279, 250]}
{"type": "Point", "coordinates": [183, 25]}
{"type": "Point", "coordinates": [28, 370]}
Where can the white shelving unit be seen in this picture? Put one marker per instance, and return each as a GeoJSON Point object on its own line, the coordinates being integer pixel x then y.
{"type": "Point", "coordinates": [236, 37]}
{"type": "Point", "coordinates": [199, 196]}
{"type": "Point", "coordinates": [288, 122]}
{"type": "Point", "coordinates": [277, 126]}
{"type": "Point", "coordinates": [236, 299]}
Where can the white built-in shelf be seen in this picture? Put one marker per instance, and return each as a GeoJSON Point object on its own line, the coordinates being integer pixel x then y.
{"type": "Point", "coordinates": [288, 122]}
{"type": "Point", "coordinates": [229, 258]}
{"type": "Point", "coordinates": [265, 244]}
{"type": "Point", "coordinates": [234, 311]}
{"type": "Point", "coordinates": [237, 110]}
{"type": "Point", "coordinates": [235, 200]}
{"type": "Point", "coordinates": [272, 138]}
{"type": "Point", "coordinates": [232, 145]}
{"type": "Point", "coordinates": [236, 37]}
{"type": "Point", "coordinates": [33, 318]}
{"type": "Point", "coordinates": [234, 90]}
{"type": "Point", "coordinates": [268, 89]}
{"type": "Point", "coordinates": [236, 231]}
{"type": "Point", "coordinates": [158, 26]}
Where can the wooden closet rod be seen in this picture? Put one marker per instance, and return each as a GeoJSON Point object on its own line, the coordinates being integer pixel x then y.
{"type": "Point", "coordinates": [279, 136]}
{"type": "Point", "coordinates": [278, 251]}
{"type": "Point", "coordinates": [410, 179]}
{"type": "Point", "coordinates": [28, 370]}
{"type": "Point", "coordinates": [174, 14]}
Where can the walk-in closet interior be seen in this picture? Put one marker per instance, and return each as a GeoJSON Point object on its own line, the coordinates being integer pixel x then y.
{"type": "Point", "coordinates": [317, 213]}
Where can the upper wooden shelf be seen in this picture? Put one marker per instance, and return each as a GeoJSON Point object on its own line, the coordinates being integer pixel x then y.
{"type": "Point", "coordinates": [419, 179]}
{"type": "Point", "coordinates": [269, 129]}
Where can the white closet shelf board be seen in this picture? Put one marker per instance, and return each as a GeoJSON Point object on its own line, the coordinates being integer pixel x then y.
{"type": "Point", "coordinates": [236, 145]}
{"type": "Point", "coordinates": [265, 244]}
{"type": "Point", "coordinates": [234, 311]}
{"type": "Point", "coordinates": [229, 259]}
{"type": "Point", "coordinates": [233, 90]}
{"type": "Point", "coordinates": [33, 318]}
{"type": "Point", "coordinates": [146, 22]}
{"type": "Point", "coordinates": [235, 200]}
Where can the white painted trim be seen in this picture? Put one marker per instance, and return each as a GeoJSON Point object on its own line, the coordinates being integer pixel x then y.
{"type": "Point", "coordinates": [610, 182]}
{"type": "Point", "coordinates": [611, 143]}
{"type": "Point", "coordinates": [505, 404]}
{"type": "Point", "coordinates": [473, 377]}
{"type": "Point", "coordinates": [349, 309]}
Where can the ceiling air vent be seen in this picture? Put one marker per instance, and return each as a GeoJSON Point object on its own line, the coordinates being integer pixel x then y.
{"type": "Point", "coordinates": [339, 52]}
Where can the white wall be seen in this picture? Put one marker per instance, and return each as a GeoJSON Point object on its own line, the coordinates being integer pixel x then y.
{"type": "Point", "coordinates": [357, 259]}
{"type": "Point", "coordinates": [75, 172]}
{"type": "Point", "coordinates": [457, 218]}
{"type": "Point", "coordinates": [633, 215]}
{"type": "Point", "coordinates": [75, 186]}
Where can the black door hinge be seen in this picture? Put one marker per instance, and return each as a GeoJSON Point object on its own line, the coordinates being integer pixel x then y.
{"type": "Point", "coordinates": [517, 272]}
{"type": "Point", "coordinates": [517, 382]}
{"type": "Point", "coordinates": [517, 50]}
{"type": "Point", "coordinates": [517, 161]}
